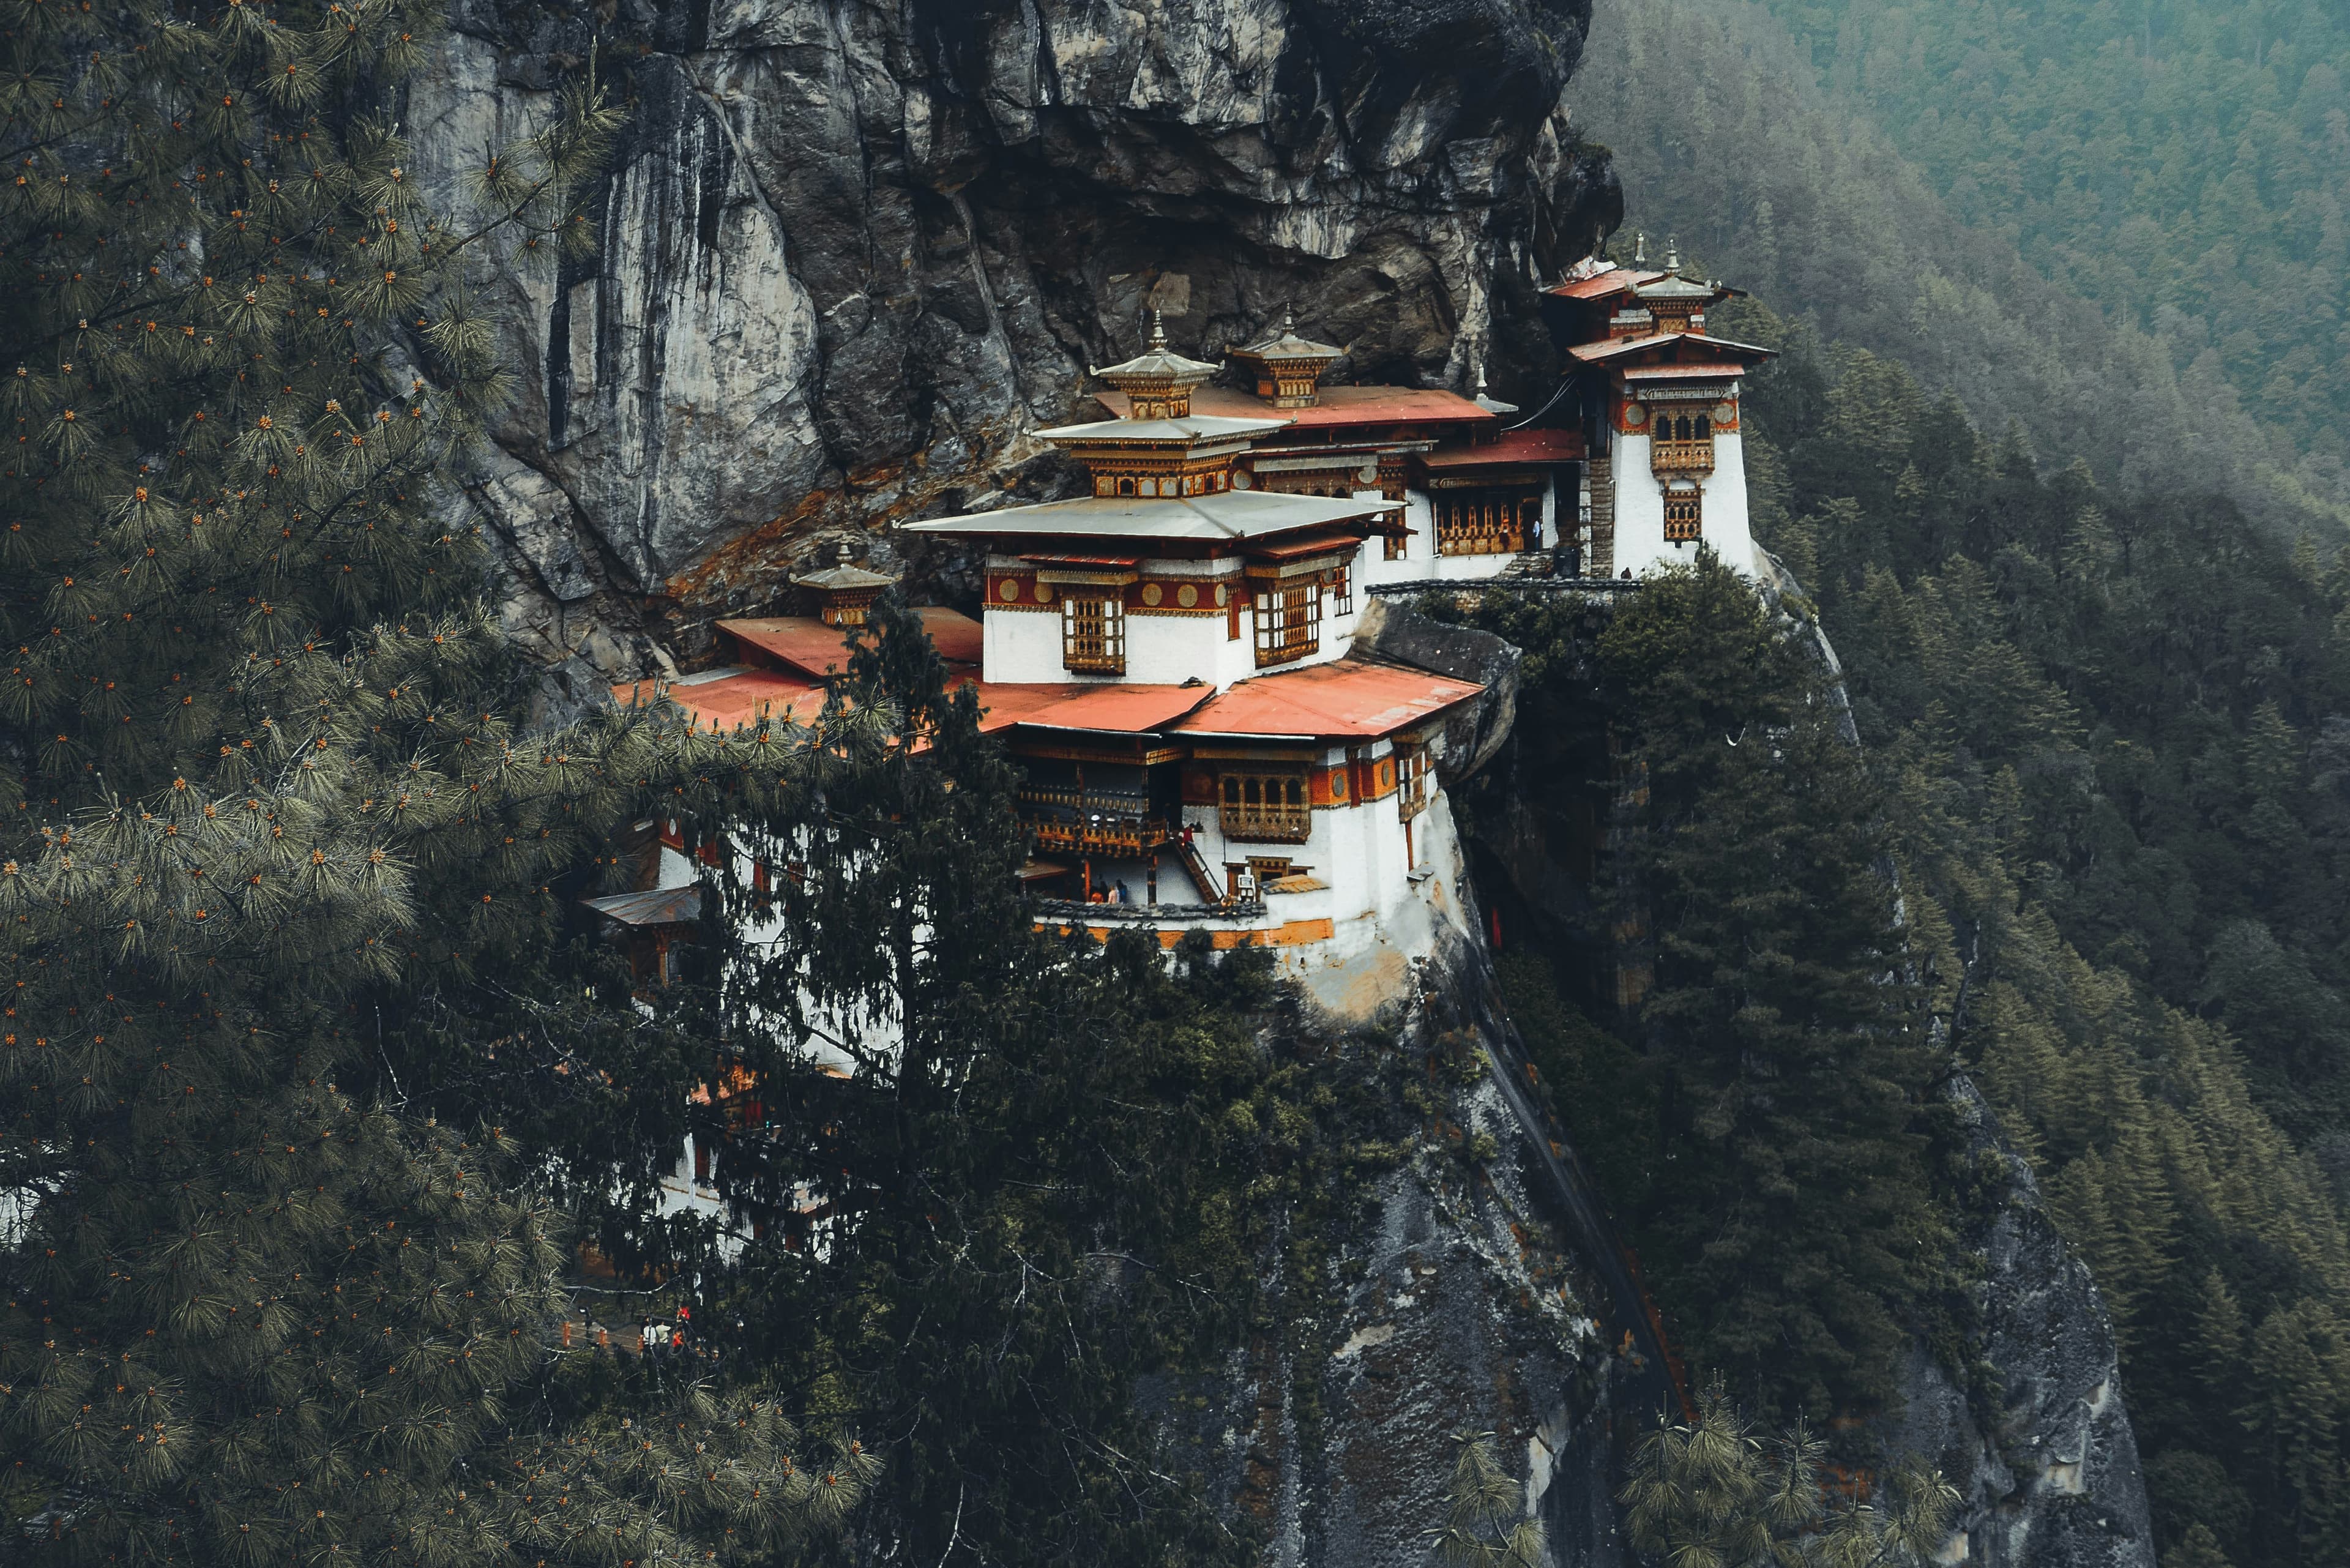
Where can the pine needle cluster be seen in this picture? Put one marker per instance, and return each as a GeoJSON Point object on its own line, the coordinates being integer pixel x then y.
{"type": "Point", "coordinates": [1484, 1517]}
{"type": "Point", "coordinates": [1707, 1491]}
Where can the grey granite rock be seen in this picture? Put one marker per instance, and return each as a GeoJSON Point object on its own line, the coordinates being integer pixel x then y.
{"type": "Point", "coordinates": [2036, 1434]}
{"type": "Point", "coordinates": [1399, 634]}
{"type": "Point", "coordinates": [853, 254]}
{"type": "Point", "coordinates": [1462, 1297]}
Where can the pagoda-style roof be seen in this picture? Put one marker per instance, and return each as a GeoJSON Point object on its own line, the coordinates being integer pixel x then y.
{"type": "Point", "coordinates": [1288, 368]}
{"type": "Point", "coordinates": [1286, 344]}
{"type": "Point", "coordinates": [1192, 430]}
{"type": "Point", "coordinates": [1673, 286]}
{"type": "Point", "coordinates": [1219, 518]}
{"type": "Point", "coordinates": [844, 576]}
{"type": "Point", "coordinates": [1156, 362]}
{"type": "Point", "coordinates": [1349, 699]}
{"type": "Point", "coordinates": [1159, 380]}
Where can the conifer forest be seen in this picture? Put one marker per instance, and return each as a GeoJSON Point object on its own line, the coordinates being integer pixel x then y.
{"type": "Point", "coordinates": [571, 1001]}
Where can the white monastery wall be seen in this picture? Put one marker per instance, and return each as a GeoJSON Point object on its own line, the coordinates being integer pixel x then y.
{"type": "Point", "coordinates": [1640, 542]}
{"type": "Point", "coordinates": [1025, 648]}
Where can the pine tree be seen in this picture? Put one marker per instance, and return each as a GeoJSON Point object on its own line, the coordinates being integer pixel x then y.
{"type": "Point", "coordinates": [260, 765]}
{"type": "Point", "coordinates": [2199, 1548]}
{"type": "Point", "coordinates": [1792, 1227]}
{"type": "Point", "coordinates": [994, 1176]}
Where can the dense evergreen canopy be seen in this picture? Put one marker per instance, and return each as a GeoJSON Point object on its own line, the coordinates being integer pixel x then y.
{"type": "Point", "coordinates": [1769, 1150]}
{"type": "Point", "coordinates": [2181, 163]}
{"type": "Point", "coordinates": [2110, 726]}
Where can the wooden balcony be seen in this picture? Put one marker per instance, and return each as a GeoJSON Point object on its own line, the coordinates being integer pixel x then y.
{"type": "Point", "coordinates": [1267, 823]}
{"type": "Point", "coordinates": [1680, 456]}
{"type": "Point", "coordinates": [1092, 822]}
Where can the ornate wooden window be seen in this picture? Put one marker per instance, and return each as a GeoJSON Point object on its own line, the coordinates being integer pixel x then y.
{"type": "Point", "coordinates": [1681, 444]}
{"type": "Point", "coordinates": [1411, 781]}
{"type": "Point", "coordinates": [1485, 521]}
{"type": "Point", "coordinates": [1093, 634]}
{"type": "Point", "coordinates": [1342, 590]}
{"type": "Point", "coordinates": [1394, 545]}
{"type": "Point", "coordinates": [1684, 514]}
{"type": "Point", "coordinates": [1288, 622]}
{"type": "Point", "coordinates": [1265, 807]}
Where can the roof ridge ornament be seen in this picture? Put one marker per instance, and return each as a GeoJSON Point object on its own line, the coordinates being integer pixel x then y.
{"type": "Point", "coordinates": [1640, 248]}
{"type": "Point", "coordinates": [1158, 381]}
{"type": "Point", "coordinates": [1288, 368]}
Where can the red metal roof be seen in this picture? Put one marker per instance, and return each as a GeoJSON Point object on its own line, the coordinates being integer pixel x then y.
{"type": "Point", "coordinates": [1683, 372]}
{"type": "Point", "coordinates": [1313, 545]}
{"type": "Point", "coordinates": [958, 638]}
{"type": "Point", "coordinates": [1599, 286]}
{"type": "Point", "coordinates": [1511, 446]}
{"type": "Point", "coordinates": [1349, 700]}
{"type": "Point", "coordinates": [807, 645]}
{"type": "Point", "coordinates": [731, 701]}
{"type": "Point", "coordinates": [1115, 708]}
{"type": "Point", "coordinates": [1339, 407]}
{"type": "Point", "coordinates": [1618, 347]}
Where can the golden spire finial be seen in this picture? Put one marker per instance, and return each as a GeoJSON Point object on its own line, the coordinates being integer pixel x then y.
{"type": "Point", "coordinates": [1158, 329]}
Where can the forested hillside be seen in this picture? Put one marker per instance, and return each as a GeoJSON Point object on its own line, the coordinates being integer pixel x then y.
{"type": "Point", "coordinates": [1724, 135]}
{"type": "Point", "coordinates": [2050, 444]}
{"type": "Point", "coordinates": [2184, 163]}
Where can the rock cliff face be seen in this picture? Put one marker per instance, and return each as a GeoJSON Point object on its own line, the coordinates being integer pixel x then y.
{"type": "Point", "coordinates": [1467, 1294]}
{"type": "Point", "coordinates": [854, 253]}
{"type": "Point", "coordinates": [2038, 1439]}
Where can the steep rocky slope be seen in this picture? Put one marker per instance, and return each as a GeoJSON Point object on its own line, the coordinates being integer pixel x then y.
{"type": "Point", "coordinates": [853, 254]}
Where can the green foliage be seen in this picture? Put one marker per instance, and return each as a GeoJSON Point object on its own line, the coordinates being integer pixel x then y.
{"type": "Point", "coordinates": [1884, 184]}
{"type": "Point", "coordinates": [2180, 165]}
{"type": "Point", "coordinates": [1484, 1519]}
{"type": "Point", "coordinates": [2110, 723]}
{"type": "Point", "coordinates": [264, 790]}
{"type": "Point", "coordinates": [1059, 1178]}
{"type": "Point", "coordinates": [1707, 1492]}
{"type": "Point", "coordinates": [1771, 1157]}
{"type": "Point", "coordinates": [1603, 1090]}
